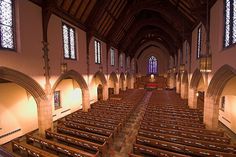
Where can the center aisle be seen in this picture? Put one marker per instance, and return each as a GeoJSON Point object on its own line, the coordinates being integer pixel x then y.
{"type": "Point", "coordinates": [123, 144]}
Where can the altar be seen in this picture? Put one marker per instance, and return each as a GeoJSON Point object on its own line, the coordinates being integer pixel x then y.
{"type": "Point", "coordinates": [151, 82]}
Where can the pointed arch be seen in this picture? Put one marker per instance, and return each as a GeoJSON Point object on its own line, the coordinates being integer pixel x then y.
{"type": "Point", "coordinates": [213, 94]}
{"type": "Point", "coordinates": [24, 81]}
{"type": "Point", "coordinates": [102, 80]}
{"type": "Point", "coordinates": [122, 76]}
{"type": "Point", "coordinates": [101, 76]}
{"type": "Point", "coordinates": [113, 76]}
{"type": "Point", "coordinates": [113, 84]}
{"type": "Point", "coordinates": [219, 80]}
{"type": "Point", "coordinates": [29, 84]}
{"type": "Point", "coordinates": [74, 75]}
{"type": "Point", "coordinates": [197, 76]}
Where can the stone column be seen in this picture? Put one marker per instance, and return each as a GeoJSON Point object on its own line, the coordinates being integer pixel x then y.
{"type": "Point", "coordinates": [192, 98]}
{"type": "Point", "coordinates": [132, 83]}
{"type": "Point", "coordinates": [211, 113]}
{"type": "Point", "coordinates": [172, 81]}
{"type": "Point", "coordinates": [44, 116]}
{"type": "Point", "coordinates": [124, 85]}
{"type": "Point", "coordinates": [184, 91]}
{"type": "Point", "coordinates": [116, 89]}
{"type": "Point", "coordinates": [85, 100]}
{"type": "Point", "coordinates": [177, 87]}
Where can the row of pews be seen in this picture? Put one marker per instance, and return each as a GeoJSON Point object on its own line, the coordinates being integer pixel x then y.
{"type": "Point", "coordinates": [170, 128]}
{"type": "Point", "coordinates": [83, 134]}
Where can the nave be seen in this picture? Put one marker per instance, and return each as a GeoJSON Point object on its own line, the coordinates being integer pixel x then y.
{"type": "Point", "coordinates": [142, 123]}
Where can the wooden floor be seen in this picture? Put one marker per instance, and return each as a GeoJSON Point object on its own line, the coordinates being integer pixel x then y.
{"type": "Point", "coordinates": [143, 123]}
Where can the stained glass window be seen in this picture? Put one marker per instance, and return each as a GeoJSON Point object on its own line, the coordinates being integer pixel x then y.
{"type": "Point", "coordinates": [97, 46]}
{"type": "Point", "coordinates": [69, 41]}
{"type": "Point", "coordinates": [57, 99]}
{"type": "Point", "coordinates": [7, 24]}
{"type": "Point", "coordinates": [112, 56]}
{"type": "Point", "coordinates": [199, 41]}
{"type": "Point", "coordinates": [230, 23]}
{"type": "Point", "coordinates": [152, 65]}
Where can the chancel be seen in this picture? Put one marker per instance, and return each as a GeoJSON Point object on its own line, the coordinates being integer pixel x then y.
{"type": "Point", "coordinates": [117, 78]}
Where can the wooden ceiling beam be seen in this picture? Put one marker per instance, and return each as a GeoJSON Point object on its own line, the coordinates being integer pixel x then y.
{"type": "Point", "coordinates": [71, 5]}
{"type": "Point", "coordinates": [86, 7]}
{"type": "Point", "coordinates": [78, 8]}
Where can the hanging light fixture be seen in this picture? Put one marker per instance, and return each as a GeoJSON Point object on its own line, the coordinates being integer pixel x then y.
{"type": "Point", "coordinates": [205, 61]}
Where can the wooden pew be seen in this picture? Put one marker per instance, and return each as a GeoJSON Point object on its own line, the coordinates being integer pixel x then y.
{"type": "Point", "coordinates": [134, 155]}
{"type": "Point", "coordinates": [162, 136]}
{"type": "Point", "coordinates": [101, 115]}
{"type": "Point", "coordinates": [85, 135]}
{"type": "Point", "coordinates": [145, 150]}
{"type": "Point", "coordinates": [192, 142]}
{"type": "Point", "coordinates": [76, 141]}
{"type": "Point", "coordinates": [175, 122]}
{"type": "Point", "coordinates": [188, 129]}
{"type": "Point", "coordinates": [99, 119]}
{"type": "Point", "coordinates": [176, 118]}
{"type": "Point", "coordinates": [94, 123]}
{"type": "Point", "coordinates": [59, 148]}
{"type": "Point", "coordinates": [29, 150]}
{"type": "Point", "coordinates": [175, 110]}
{"type": "Point", "coordinates": [91, 129]}
{"type": "Point", "coordinates": [179, 133]}
{"type": "Point", "coordinates": [183, 115]}
{"type": "Point", "coordinates": [4, 152]}
{"type": "Point", "coordinates": [180, 148]}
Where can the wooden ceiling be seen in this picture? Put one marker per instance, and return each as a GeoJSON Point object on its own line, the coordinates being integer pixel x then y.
{"type": "Point", "coordinates": [123, 23]}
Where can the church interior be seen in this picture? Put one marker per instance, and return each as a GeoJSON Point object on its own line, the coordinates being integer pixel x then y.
{"type": "Point", "coordinates": [117, 78]}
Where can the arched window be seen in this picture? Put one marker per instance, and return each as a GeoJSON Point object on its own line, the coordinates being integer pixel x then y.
{"type": "Point", "coordinates": [152, 65]}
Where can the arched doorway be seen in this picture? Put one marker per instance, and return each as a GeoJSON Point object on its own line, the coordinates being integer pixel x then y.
{"type": "Point", "coordinates": [129, 81]}
{"type": "Point", "coordinates": [74, 93]}
{"type": "Point", "coordinates": [99, 79]}
{"type": "Point", "coordinates": [221, 95]}
{"type": "Point", "coordinates": [197, 91]}
{"type": "Point", "coordinates": [24, 105]}
{"type": "Point", "coordinates": [113, 84]}
{"type": "Point", "coordinates": [100, 92]}
{"type": "Point", "coordinates": [122, 82]}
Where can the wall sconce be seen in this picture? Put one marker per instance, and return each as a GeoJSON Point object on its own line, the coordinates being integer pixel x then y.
{"type": "Point", "coordinates": [63, 67]}
{"type": "Point", "coordinates": [205, 64]}
{"type": "Point", "coordinates": [197, 94]}
{"type": "Point", "coordinates": [181, 68]}
{"type": "Point", "coordinates": [101, 69]}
